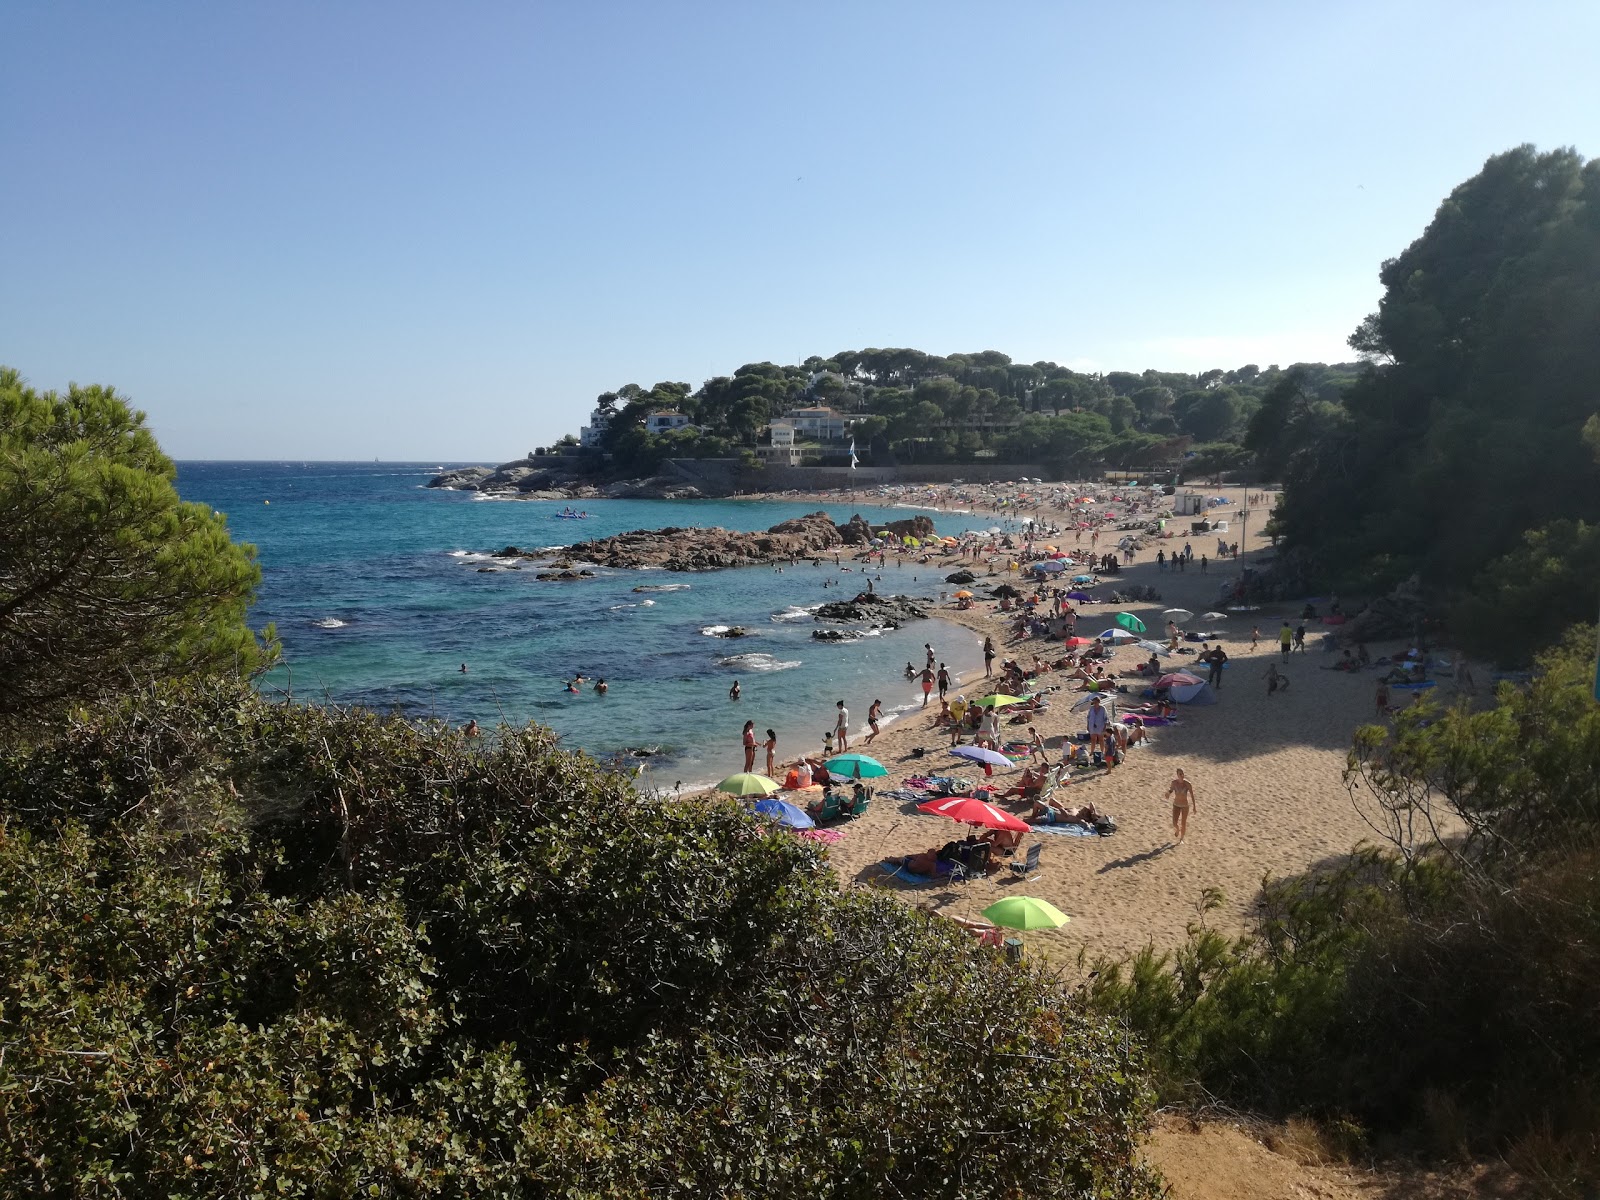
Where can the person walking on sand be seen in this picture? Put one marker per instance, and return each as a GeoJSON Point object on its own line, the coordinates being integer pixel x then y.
{"type": "Point", "coordinates": [772, 754]}
{"type": "Point", "coordinates": [1255, 637]}
{"type": "Point", "coordinates": [841, 727]}
{"type": "Point", "coordinates": [1285, 640]}
{"type": "Point", "coordinates": [1181, 792]}
{"type": "Point", "coordinates": [749, 739]}
{"type": "Point", "coordinates": [1036, 745]}
{"type": "Point", "coordinates": [874, 714]}
{"type": "Point", "coordinates": [988, 655]}
{"type": "Point", "coordinates": [944, 681]}
{"type": "Point", "coordinates": [1218, 658]}
{"type": "Point", "coordinates": [1275, 682]}
{"type": "Point", "coordinates": [927, 684]}
{"type": "Point", "coordinates": [1300, 638]}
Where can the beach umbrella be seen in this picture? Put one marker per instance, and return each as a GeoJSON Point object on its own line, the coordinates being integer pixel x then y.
{"type": "Point", "coordinates": [1155, 648]}
{"type": "Point", "coordinates": [1107, 702]}
{"type": "Point", "coordinates": [1025, 912]}
{"type": "Point", "coordinates": [1177, 614]}
{"type": "Point", "coordinates": [973, 812]}
{"type": "Point", "coordinates": [746, 784]}
{"type": "Point", "coordinates": [1083, 579]}
{"type": "Point", "coordinates": [1072, 643]}
{"type": "Point", "coordinates": [1213, 616]}
{"type": "Point", "coordinates": [996, 701]}
{"type": "Point", "coordinates": [1081, 597]}
{"type": "Point", "coordinates": [1049, 549]}
{"type": "Point", "coordinates": [1050, 565]}
{"type": "Point", "coordinates": [857, 766]}
{"type": "Point", "coordinates": [1177, 679]}
{"type": "Point", "coordinates": [1117, 637]}
{"type": "Point", "coordinates": [784, 813]}
{"type": "Point", "coordinates": [963, 595]}
{"type": "Point", "coordinates": [1129, 622]}
{"type": "Point", "coordinates": [1193, 693]}
{"type": "Point", "coordinates": [978, 754]}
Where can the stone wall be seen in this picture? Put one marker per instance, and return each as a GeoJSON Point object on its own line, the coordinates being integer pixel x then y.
{"type": "Point", "coordinates": [780, 479]}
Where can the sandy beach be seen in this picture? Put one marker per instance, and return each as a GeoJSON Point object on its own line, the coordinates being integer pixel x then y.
{"type": "Point", "coordinates": [1270, 799]}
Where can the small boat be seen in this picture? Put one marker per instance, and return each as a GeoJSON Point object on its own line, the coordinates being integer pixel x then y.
{"type": "Point", "coordinates": [569, 515]}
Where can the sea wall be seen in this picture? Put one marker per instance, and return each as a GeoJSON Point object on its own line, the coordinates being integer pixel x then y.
{"type": "Point", "coordinates": [781, 479]}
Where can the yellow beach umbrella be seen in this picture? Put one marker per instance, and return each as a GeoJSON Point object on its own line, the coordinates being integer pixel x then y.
{"type": "Point", "coordinates": [746, 784]}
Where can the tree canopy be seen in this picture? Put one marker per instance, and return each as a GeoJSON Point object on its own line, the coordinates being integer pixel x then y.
{"type": "Point", "coordinates": [1465, 451]}
{"type": "Point", "coordinates": [106, 577]}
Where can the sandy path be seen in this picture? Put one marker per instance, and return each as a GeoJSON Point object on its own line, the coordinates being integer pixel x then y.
{"type": "Point", "coordinates": [1267, 774]}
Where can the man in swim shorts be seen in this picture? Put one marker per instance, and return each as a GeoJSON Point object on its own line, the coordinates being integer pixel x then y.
{"type": "Point", "coordinates": [1183, 800]}
{"type": "Point", "coordinates": [841, 727]}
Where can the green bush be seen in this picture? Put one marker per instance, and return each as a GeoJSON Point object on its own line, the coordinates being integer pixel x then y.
{"type": "Point", "coordinates": [250, 948]}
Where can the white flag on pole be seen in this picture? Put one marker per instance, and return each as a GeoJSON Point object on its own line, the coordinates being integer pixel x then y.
{"type": "Point", "coordinates": [852, 454]}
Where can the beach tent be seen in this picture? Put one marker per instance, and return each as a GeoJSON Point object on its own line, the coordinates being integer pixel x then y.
{"type": "Point", "coordinates": [1177, 679]}
{"type": "Point", "coordinates": [1129, 622]}
{"type": "Point", "coordinates": [1193, 693]}
{"type": "Point", "coordinates": [1080, 597]}
{"type": "Point", "coordinates": [1083, 579]}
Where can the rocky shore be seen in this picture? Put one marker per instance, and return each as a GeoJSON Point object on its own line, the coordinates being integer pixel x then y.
{"type": "Point", "coordinates": [676, 548]}
{"type": "Point", "coordinates": [529, 479]}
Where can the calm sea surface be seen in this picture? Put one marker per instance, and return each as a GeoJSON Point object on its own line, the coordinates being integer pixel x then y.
{"type": "Point", "coordinates": [372, 581]}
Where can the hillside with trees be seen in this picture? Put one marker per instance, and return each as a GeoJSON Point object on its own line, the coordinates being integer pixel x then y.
{"type": "Point", "coordinates": [1468, 451]}
{"type": "Point", "coordinates": [965, 408]}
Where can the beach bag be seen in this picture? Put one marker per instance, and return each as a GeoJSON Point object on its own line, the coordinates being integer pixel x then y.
{"type": "Point", "coordinates": [1105, 826]}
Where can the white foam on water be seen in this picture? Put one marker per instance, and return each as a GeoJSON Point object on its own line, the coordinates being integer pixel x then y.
{"type": "Point", "coordinates": [794, 612]}
{"type": "Point", "coordinates": [329, 623]}
{"type": "Point", "coordinates": [663, 587]}
{"type": "Point", "coordinates": [756, 662]}
{"type": "Point", "coordinates": [714, 630]}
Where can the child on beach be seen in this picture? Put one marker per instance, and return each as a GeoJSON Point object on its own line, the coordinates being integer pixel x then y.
{"type": "Point", "coordinates": [772, 753]}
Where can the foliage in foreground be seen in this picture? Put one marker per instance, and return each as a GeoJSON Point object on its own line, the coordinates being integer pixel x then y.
{"type": "Point", "coordinates": [1450, 987]}
{"type": "Point", "coordinates": [249, 948]}
{"type": "Point", "coordinates": [107, 579]}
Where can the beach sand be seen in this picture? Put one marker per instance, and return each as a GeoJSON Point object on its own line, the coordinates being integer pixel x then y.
{"type": "Point", "coordinates": [1266, 771]}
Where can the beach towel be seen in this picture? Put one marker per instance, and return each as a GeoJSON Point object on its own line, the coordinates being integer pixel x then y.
{"type": "Point", "coordinates": [826, 836]}
{"type": "Point", "coordinates": [1416, 687]}
{"type": "Point", "coordinates": [906, 876]}
{"type": "Point", "coordinates": [903, 794]}
{"type": "Point", "coordinates": [1066, 830]}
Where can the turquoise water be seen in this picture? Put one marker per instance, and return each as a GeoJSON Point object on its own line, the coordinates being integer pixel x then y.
{"type": "Point", "coordinates": [372, 582]}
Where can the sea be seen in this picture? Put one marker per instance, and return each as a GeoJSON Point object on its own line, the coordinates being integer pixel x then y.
{"type": "Point", "coordinates": [376, 587]}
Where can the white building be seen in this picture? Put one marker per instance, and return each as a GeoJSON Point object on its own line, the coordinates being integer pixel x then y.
{"type": "Point", "coordinates": [782, 451]}
{"type": "Point", "coordinates": [599, 422]}
{"type": "Point", "coordinates": [822, 424]}
{"type": "Point", "coordinates": [665, 422]}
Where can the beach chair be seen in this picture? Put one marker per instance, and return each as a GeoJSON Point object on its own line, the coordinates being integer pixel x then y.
{"type": "Point", "coordinates": [1028, 869]}
{"type": "Point", "coordinates": [858, 808]}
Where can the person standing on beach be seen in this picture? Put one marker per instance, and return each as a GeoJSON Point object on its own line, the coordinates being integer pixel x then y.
{"type": "Point", "coordinates": [1285, 640]}
{"type": "Point", "coordinates": [841, 727]}
{"type": "Point", "coordinates": [927, 684]}
{"type": "Point", "coordinates": [772, 753]}
{"type": "Point", "coordinates": [944, 681]}
{"type": "Point", "coordinates": [1255, 637]}
{"type": "Point", "coordinates": [749, 739]}
{"type": "Point", "coordinates": [1218, 658]}
{"type": "Point", "coordinates": [988, 655]}
{"type": "Point", "coordinates": [1300, 638]}
{"type": "Point", "coordinates": [874, 714]}
{"type": "Point", "coordinates": [928, 646]}
{"type": "Point", "coordinates": [1275, 681]}
{"type": "Point", "coordinates": [1181, 792]}
{"type": "Point", "coordinates": [1036, 745]}
{"type": "Point", "coordinates": [1096, 722]}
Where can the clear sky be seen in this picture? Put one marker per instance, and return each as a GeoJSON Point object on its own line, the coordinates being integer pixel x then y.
{"type": "Point", "coordinates": [437, 231]}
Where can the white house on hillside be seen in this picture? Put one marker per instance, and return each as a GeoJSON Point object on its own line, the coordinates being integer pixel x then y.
{"type": "Point", "coordinates": [782, 452]}
{"type": "Point", "coordinates": [599, 422]}
{"type": "Point", "coordinates": [822, 423]}
{"type": "Point", "coordinates": [665, 422]}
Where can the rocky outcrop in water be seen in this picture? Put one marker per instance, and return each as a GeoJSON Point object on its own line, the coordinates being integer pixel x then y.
{"type": "Point", "coordinates": [549, 478]}
{"type": "Point", "coordinates": [680, 549]}
{"type": "Point", "coordinates": [869, 608]}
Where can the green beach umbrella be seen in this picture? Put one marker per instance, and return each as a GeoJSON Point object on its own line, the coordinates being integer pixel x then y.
{"type": "Point", "coordinates": [1129, 622]}
{"type": "Point", "coordinates": [1024, 912]}
{"type": "Point", "coordinates": [857, 766]}
{"type": "Point", "coordinates": [746, 784]}
{"type": "Point", "coordinates": [996, 701]}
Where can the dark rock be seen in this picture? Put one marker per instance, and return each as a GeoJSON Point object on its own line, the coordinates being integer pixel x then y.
{"type": "Point", "coordinates": [836, 635]}
{"type": "Point", "coordinates": [678, 549]}
{"type": "Point", "coordinates": [855, 531]}
{"type": "Point", "coordinates": [736, 631]}
{"type": "Point", "coordinates": [961, 577]}
{"type": "Point", "coordinates": [869, 608]}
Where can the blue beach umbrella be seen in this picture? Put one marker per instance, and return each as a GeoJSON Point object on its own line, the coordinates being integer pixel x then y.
{"type": "Point", "coordinates": [785, 813]}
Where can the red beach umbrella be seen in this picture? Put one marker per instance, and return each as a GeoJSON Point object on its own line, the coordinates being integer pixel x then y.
{"type": "Point", "coordinates": [973, 812]}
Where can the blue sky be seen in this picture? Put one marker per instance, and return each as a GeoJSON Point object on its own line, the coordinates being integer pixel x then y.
{"type": "Point", "coordinates": [437, 231]}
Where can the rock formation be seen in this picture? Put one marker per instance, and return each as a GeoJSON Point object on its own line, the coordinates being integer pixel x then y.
{"type": "Point", "coordinates": [869, 608]}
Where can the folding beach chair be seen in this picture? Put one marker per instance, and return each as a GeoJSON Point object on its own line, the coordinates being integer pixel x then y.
{"type": "Point", "coordinates": [1028, 869]}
